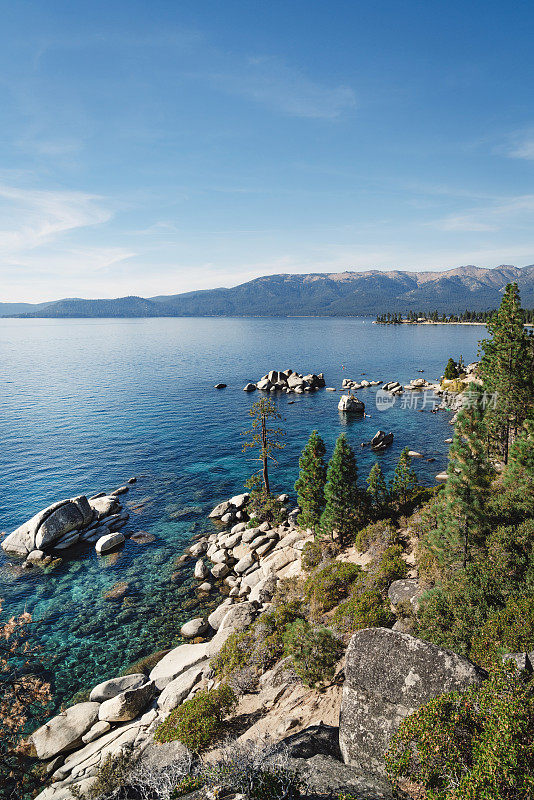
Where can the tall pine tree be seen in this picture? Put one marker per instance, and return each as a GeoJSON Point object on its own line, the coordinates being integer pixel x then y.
{"type": "Point", "coordinates": [507, 372]}
{"type": "Point", "coordinates": [461, 521]}
{"type": "Point", "coordinates": [404, 483]}
{"type": "Point", "coordinates": [345, 502]}
{"type": "Point", "coordinates": [518, 477]}
{"type": "Point", "coordinates": [311, 482]}
{"type": "Point", "coordinates": [377, 488]}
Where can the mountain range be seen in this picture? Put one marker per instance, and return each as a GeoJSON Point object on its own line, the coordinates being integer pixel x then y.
{"type": "Point", "coordinates": [317, 294]}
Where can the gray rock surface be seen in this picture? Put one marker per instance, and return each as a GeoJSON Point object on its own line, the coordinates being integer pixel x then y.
{"type": "Point", "coordinates": [194, 627]}
{"type": "Point", "coordinates": [127, 705]}
{"type": "Point", "coordinates": [109, 542]}
{"type": "Point", "coordinates": [403, 591]}
{"type": "Point", "coordinates": [64, 732]}
{"type": "Point", "coordinates": [48, 525]}
{"type": "Point", "coordinates": [388, 676]}
{"type": "Point", "coordinates": [177, 661]}
{"type": "Point", "coordinates": [108, 689]}
{"type": "Point", "coordinates": [350, 404]}
{"type": "Point", "coordinates": [177, 690]}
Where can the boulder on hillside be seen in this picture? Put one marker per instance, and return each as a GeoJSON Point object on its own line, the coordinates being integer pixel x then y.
{"type": "Point", "coordinates": [177, 661]}
{"type": "Point", "coordinates": [127, 705]}
{"type": "Point", "coordinates": [388, 676]}
{"type": "Point", "coordinates": [108, 689]}
{"type": "Point", "coordinates": [64, 732]}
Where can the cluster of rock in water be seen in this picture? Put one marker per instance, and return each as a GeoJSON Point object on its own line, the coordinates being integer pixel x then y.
{"type": "Point", "coordinates": [287, 381]}
{"type": "Point", "coordinates": [123, 712]}
{"type": "Point", "coordinates": [95, 520]}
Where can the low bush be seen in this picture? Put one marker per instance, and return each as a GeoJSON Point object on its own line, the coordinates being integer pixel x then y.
{"type": "Point", "coordinates": [471, 746]}
{"type": "Point", "coordinates": [317, 552]}
{"type": "Point", "coordinates": [510, 630]}
{"type": "Point", "coordinates": [329, 584]}
{"type": "Point", "coordinates": [263, 506]}
{"type": "Point", "coordinates": [378, 535]}
{"type": "Point", "coordinates": [197, 722]}
{"type": "Point", "coordinates": [112, 776]}
{"type": "Point", "coordinates": [388, 568]}
{"type": "Point", "coordinates": [260, 645]}
{"type": "Point", "coordinates": [366, 608]}
{"type": "Point", "coordinates": [313, 651]}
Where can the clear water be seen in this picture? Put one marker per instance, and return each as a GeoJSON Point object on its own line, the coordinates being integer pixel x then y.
{"type": "Point", "coordinates": [86, 404]}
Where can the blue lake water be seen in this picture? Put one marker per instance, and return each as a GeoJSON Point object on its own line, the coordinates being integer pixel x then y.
{"type": "Point", "coordinates": [86, 404]}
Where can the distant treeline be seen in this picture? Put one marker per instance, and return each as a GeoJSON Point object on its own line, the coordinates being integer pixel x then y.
{"type": "Point", "coordinates": [436, 316]}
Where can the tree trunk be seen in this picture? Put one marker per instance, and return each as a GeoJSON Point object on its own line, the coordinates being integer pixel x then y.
{"type": "Point", "coordinates": [264, 455]}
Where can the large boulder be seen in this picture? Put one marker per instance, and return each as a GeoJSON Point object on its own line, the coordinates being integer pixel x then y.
{"type": "Point", "coordinates": [177, 661]}
{"type": "Point", "coordinates": [64, 732]}
{"type": "Point", "coordinates": [109, 542]}
{"type": "Point", "coordinates": [389, 675]}
{"type": "Point", "coordinates": [126, 705]}
{"type": "Point", "coordinates": [104, 506]}
{"type": "Point", "coordinates": [113, 687]}
{"type": "Point", "coordinates": [177, 690]}
{"type": "Point", "coordinates": [237, 618]}
{"type": "Point", "coordinates": [350, 404]}
{"type": "Point", "coordinates": [48, 526]}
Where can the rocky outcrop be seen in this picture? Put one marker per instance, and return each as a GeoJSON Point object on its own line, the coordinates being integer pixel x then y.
{"type": "Point", "coordinates": [288, 381]}
{"type": "Point", "coordinates": [127, 705]}
{"type": "Point", "coordinates": [65, 524]}
{"type": "Point", "coordinates": [350, 404]}
{"type": "Point", "coordinates": [113, 687]}
{"type": "Point", "coordinates": [64, 732]}
{"type": "Point", "coordinates": [388, 676]}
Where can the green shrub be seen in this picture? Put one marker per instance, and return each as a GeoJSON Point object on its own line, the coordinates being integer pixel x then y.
{"type": "Point", "coordinates": [317, 552]}
{"type": "Point", "coordinates": [111, 777]}
{"type": "Point", "coordinates": [314, 651]}
{"type": "Point", "coordinates": [263, 506]}
{"type": "Point", "coordinates": [388, 568]}
{"type": "Point", "coordinates": [329, 584]}
{"type": "Point", "coordinates": [378, 535]}
{"type": "Point", "coordinates": [366, 608]}
{"type": "Point", "coordinates": [471, 746]}
{"type": "Point", "coordinates": [510, 630]}
{"type": "Point", "coordinates": [260, 645]}
{"type": "Point", "coordinates": [197, 721]}
{"type": "Point", "coordinates": [189, 784]}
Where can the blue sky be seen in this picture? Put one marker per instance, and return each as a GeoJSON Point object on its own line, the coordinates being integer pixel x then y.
{"type": "Point", "coordinates": [157, 147]}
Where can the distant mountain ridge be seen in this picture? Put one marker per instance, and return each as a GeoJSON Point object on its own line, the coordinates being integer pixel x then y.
{"type": "Point", "coordinates": [316, 294]}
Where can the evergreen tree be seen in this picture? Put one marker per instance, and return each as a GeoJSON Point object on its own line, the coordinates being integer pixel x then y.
{"type": "Point", "coordinates": [311, 482]}
{"type": "Point", "coordinates": [404, 481]}
{"type": "Point", "coordinates": [377, 488]}
{"type": "Point", "coordinates": [461, 520]}
{"type": "Point", "coordinates": [264, 438]}
{"type": "Point", "coordinates": [518, 476]}
{"type": "Point", "coordinates": [506, 369]}
{"type": "Point", "coordinates": [345, 502]}
{"type": "Point", "coordinates": [451, 370]}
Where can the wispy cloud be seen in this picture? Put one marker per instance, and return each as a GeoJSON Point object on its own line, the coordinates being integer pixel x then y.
{"type": "Point", "coordinates": [508, 212]}
{"type": "Point", "coordinates": [35, 216]}
{"type": "Point", "coordinates": [271, 82]}
{"type": "Point", "coordinates": [520, 144]}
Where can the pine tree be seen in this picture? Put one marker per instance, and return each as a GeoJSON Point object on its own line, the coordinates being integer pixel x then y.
{"type": "Point", "coordinates": [311, 482]}
{"type": "Point", "coordinates": [377, 488]}
{"type": "Point", "coordinates": [451, 370]}
{"type": "Point", "coordinates": [507, 371]}
{"type": "Point", "coordinates": [267, 440]}
{"type": "Point", "coordinates": [518, 476]}
{"type": "Point", "coordinates": [404, 482]}
{"type": "Point", "coordinates": [461, 519]}
{"type": "Point", "coordinates": [345, 502]}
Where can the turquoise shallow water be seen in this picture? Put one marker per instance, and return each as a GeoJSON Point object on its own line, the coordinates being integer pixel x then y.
{"type": "Point", "coordinates": [86, 404]}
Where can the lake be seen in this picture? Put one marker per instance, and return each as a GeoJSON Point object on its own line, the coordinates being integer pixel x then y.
{"type": "Point", "coordinates": [87, 404]}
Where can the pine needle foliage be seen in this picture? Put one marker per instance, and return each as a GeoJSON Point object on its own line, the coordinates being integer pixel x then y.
{"type": "Point", "coordinates": [404, 483]}
{"type": "Point", "coordinates": [377, 489]}
{"type": "Point", "coordinates": [345, 502]}
{"type": "Point", "coordinates": [311, 482]}
{"type": "Point", "coordinates": [264, 438]}
{"type": "Point", "coordinates": [462, 517]}
{"type": "Point", "coordinates": [506, 368]}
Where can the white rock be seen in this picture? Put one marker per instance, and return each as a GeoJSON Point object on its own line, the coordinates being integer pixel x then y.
{"type": "Point", "coordinates": [113, 687]}
{"type": "Point", "coordinates": [240, 500]}
{"type": "Point", "coordinates": [177, 690]}
{"type": "Point", "coordinates": [177, 661]}
{"type": "Point", "coordinates": [65, 731]}
{"type": "Point", "coordinates": [220, 571]}
{"type": "Point", "coordinates": [109, 542]}
{"type": "Point", "coordinates": [201, 571]}
{"type": "Point", "coordinates": [217, 616]}
{"type": "Point", "coordinates": [126, 705]}
{"type": "Point", "coordinates": [245, 563]}
{"type": "Point", "coordinates": [194, 627]}
{"type": "Point", "coordinates": [98, 729]}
